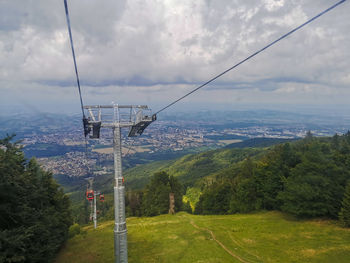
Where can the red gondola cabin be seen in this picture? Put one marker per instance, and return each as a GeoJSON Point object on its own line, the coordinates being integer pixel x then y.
{"type": "Point", "coordinates": [102, 198]}
{"type": "Point", "coordinates": [89, 195]}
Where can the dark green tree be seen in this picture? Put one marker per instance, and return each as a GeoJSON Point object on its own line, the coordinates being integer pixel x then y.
{"type": "Point", "coordinates": [244, 198]}
{"type": "Point", "coordinates": [133, 202]}
{"type": "Point", "coordinates": [305, 178]}
{"type": "Point", "coordinates": [156, 195]}
{"type": "Point", "coordinates": [214, 200]}
{"type": "Point", "coordinates": [344, 215]}
{"type": "Point", "coordinates": [335, 142]}
{"type": "Point", "coordinates": [309, 136]}
{"type": "Point", "coordinates": [35, 213]}
{"type": "Point", "coordinates": [314, 187]}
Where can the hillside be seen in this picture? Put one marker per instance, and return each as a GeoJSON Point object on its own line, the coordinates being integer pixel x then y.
{"type": "Point", "coordinates": [260, 237]}
{"type": "Point", "coordinates": [258, 142]}
{"type": "Point", "coordinates": [228, 181]}
{"type": "Point", "coordinates": [189, 168]}
{"type": "Point", "coordinates": [306, 178]}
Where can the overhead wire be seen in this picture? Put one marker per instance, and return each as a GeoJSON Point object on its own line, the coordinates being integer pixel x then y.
{"type": "Point", "coordinates": [252, 55]}
{"type": "Point", "coordinates": [78, 81]}
{"type": "Point", "coordinates": [73, 54]}
{"type": "Point", "coordinates": [202, 85]}
{"type": "Point", "coordinates": [132, 144]}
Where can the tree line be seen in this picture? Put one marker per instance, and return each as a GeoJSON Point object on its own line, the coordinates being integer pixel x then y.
{"type": "Point", "coordinates": [154, 199]}
{"type": "Point", "coordinates": [34, 211]}
{"type": "Point", "coordinates": [306, 178]}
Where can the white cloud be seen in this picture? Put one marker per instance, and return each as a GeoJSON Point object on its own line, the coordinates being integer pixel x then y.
{"type": "Point", "coordinates": [292, 19]}
{"type": "Point", "coordinates": [135, 49]}
{"type": "Point", "coordinates": [273, 5]}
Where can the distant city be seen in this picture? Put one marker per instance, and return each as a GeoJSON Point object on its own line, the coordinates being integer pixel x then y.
{"type": "Point", "coordinates": [58, 144]}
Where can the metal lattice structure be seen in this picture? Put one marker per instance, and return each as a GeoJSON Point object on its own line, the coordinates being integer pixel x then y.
{"type": "Point", "coordinates": [136, 118]}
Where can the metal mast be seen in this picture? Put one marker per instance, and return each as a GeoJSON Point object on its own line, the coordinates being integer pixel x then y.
{"type": "Point", "coordinates": [96, 194]}
{"type": "Point", "coordinates": [91, 211]}
{"type": "Point", "coordinates": [120, 231]}
{"type": "Point", "coordinates": [136, 118]}
{"type": "Point", "coordinates": [95, 215]}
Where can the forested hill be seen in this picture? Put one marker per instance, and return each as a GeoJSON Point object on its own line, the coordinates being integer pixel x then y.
{"type": "Point", "coordinates": [258, 142]}
{"type": "Point", "coordinates": [193, 168]}
{"type": "Point", "coordinates": [190, 169]}
{"type": "Point", "coordinates": [306, 178]}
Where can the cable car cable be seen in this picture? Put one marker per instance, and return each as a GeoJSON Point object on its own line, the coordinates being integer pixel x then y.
{"type": "Point", "coordinates": [73, 53]}
{"type": "Point", "coordinates": [86, 129]}
{"type": "Point", "coordinates": [254, 54]}
{"type": "Point", "coordinates": [132, 144]}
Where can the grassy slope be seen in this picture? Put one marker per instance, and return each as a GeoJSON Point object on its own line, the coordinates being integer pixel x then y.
{"type": "Point", "coordinates": [260, 237]}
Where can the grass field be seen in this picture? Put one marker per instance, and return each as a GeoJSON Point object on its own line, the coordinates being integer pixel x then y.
{"type": "Point", "coordinates": [260, 237]}
{"type": "Point", "coordinates": [229, 141]}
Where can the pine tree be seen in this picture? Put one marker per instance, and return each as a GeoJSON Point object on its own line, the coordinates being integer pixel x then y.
{"type": "Point", "coordinates": [344, 214]}
{"type": "Point", "coordinates": [156, 196]}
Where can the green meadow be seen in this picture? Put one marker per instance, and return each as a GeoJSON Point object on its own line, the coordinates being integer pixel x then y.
{"type": "Point", "coordinates": [258, 237]}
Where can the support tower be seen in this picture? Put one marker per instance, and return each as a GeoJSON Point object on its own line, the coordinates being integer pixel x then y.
{"type": "Point", "coordinates": [136, 118]}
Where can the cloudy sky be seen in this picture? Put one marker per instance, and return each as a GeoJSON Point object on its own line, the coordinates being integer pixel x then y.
{"type": "Point", "coordinates": [151, 52]}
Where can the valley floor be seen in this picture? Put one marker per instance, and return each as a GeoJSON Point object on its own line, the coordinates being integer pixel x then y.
{"type": "Point", "coordinates": [250, 238]}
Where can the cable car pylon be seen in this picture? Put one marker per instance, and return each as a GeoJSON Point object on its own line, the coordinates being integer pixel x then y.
{"type": "Point", "coordinates": [136, 118]}
{"type": "Point", "coordinates": [91, 196]}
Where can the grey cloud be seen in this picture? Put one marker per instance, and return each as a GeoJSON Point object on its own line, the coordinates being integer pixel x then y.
{"type": "Point", "coordinates": [160, 43]}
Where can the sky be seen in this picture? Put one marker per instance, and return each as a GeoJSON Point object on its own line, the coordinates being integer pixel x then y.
{"type": "Point", "coordinates": [153, 52]}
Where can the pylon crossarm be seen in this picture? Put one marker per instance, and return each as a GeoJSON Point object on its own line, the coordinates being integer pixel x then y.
{"type": "Point", "coordinates": [135, 117]}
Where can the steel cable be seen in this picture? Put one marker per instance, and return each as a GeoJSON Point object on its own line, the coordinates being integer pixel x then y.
{"type": "Point", "coordinates": [78, 81]}
{"type": "Point", "coordinates": [73, 53]}
{"type": "Point", "coordinates": [254, 54]}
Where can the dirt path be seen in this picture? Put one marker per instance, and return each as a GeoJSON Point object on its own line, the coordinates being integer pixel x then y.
{"type": "Point", "coordinates": [219, 243]}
